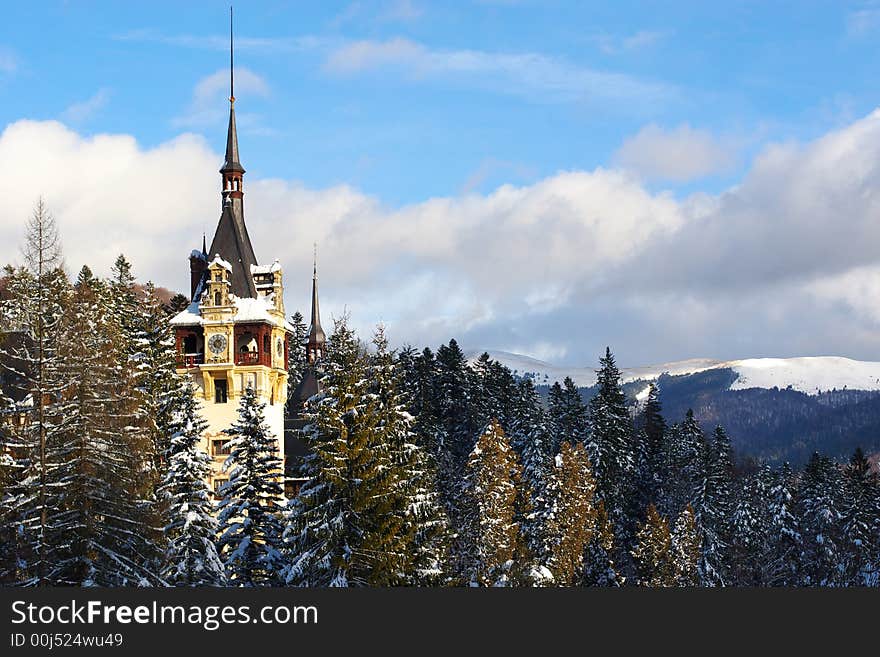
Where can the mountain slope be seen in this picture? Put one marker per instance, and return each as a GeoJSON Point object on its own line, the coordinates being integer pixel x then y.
{"type": "Point", "coordinates": [811, 375]}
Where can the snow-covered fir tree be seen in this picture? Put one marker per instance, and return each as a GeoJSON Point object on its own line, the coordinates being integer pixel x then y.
{"type": "Point", "coordinates": [422, 540]}
{"type": "Point", "coordinates": [782, 562]}
{"type": "Point", "coordinates": [297, 361]}
{"type": "Point", "coordinates": [686, 548]}
{"type": "Point", "coordinates": [861, 510]}
{"type": "Point", "coordinates": [821, 493]}
{"type": "Point", "coordinates": [249, 540]}
{"type": "Point", "coordinates": [98, 530]}
{"type": "Point", "coordinates": [571, 517]}
{"type": "Point", "coordinates": [490, 538]}
{"type": "Point", "coordinates": [599, 567]}
{"type": "Point", "coordinates": [567, 414]}
{"type": "Point", "coordinates": [611, 452]}
{"type": "Point", "coordinates": [650, 432]}
{"type": "Point", "coordinates": [653, 553]}
{"type": "Point", "coordinates": [713, 508]}
{"type": "Point", "coordinates": [191, 557]}
{"type": "Point", "coordinates": [354, 522]}
{"type": "Point", "coordinates": [32, 310]}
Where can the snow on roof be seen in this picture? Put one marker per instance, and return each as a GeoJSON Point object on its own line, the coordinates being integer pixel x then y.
{"type": "Point", "coordinates": [220, 261]}
{"type": "Point", "coordinates": [188, 317]}
{"type": "Point", "coordinates": [247, 310]}
{"type": "Point", "coordinates": [266, 269]}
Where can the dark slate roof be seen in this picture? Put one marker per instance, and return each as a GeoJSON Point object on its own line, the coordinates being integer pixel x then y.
{"type": "Point", "coordinates": [232, 243]}
{"type": "Point", "coordinates": [232, 163]}
{"type": "Point", "coordinates": [308, 387]}
{"type": "Point", "coordinates": [316, 333]}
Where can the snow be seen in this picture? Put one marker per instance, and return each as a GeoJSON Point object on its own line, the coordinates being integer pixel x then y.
{"type": "Point", "coordinates": [220, 261]}
{"type": "Point", "coordinates": [266, 269]}
{"type": "Point", "coordinates": [810, 375]}
{"type": "Point", "coordinates": [187, 317]}
{"type": "Point", "coordinates": [247, 310]}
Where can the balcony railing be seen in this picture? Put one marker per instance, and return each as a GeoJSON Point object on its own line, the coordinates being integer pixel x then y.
{"type": "Point", "coordinates": [190, 360]}
{"type": "Point", "coordinates": [251, 358]}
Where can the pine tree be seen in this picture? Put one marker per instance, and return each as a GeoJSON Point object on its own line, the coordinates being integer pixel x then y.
{"type": "Point", "coordinates": [860, 513]}
{"type": "Point", "coordinates": [356, 521]}
{"type": "Point", "coordinates": [530, 437]}
{"type": "Point", "coordinates": [611, 451]}
{"type": "Point", "coordinates": [191, 557]}
{"type": "Point", "coordinates": [490, 540]}
{"type": "Point", "coordinates": [97, 533]}
{"type": "Point", "coordinates": [750, 529]}
{"type": "Point", "coordinates": [571, 518]}
{"type": "Point", "coordinates": [599, 567]}
{"type": "Point", "coordinates": [250, 506]}
{"type": "Point", "coordinates": [157, 378]}
{"type": "Point", "coordinates": [684, 466]}
{"type": "Point", "coordinates": [653, 554]}
{"type": "Point", "coordinates": [297, 361]}
{"type": "Point", "coordinates": [32, 312]}
{"type": "Point", "coordinates": [455, 428]}
{"type": "Point", "coordinates": [714, 505]}
{"type": "Point", "coordinates": [567, 414]}
{"type": "Point", "coordinates": [686, 549]}
{"type": "Point", "coordinates": [782, 561]}
{"type": "Point", "coordinates": [650, 431]}
{"type": "Point", "coordinates": [821, 493]}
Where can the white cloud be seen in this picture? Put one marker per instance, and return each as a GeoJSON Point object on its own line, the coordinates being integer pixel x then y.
{"type": "Point", "coordinates": [680, 154]}
{"type": "Point", "coordinates": [206, 107]}
{"type": "Point", "coordinates": [86, 109]}
{"type": "Point", "coordinates": [784, 263]}
{"type": "Point", "coordinates": [533, 75]}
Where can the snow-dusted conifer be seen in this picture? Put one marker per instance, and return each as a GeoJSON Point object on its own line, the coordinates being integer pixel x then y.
{"type": "Point", "coordinates": [250, 506]}
{"type": "Point", "coordinates": [490, 539]}
{"type": "Point", "coordinates": [686, 548]}
{"type": "Point", "coordinates": [599, 566]}
{"type": "Point", "coordinates": [571, 516]}
{"type": "Point", "coordinates": [191, 557]}
{"type": "Point", "coordinates": [821, 493]}
{"type": "Point", "coordinates": [653, 553]}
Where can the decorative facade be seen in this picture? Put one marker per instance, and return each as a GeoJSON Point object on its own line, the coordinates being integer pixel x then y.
{"type": "Point", "coordinates": [234, 333]}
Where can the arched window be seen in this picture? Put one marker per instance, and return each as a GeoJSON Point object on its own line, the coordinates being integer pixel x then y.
{"type": "Point", "coordinates": [266, 344]}
{"type": "Point", "coordinates": [217, 298]}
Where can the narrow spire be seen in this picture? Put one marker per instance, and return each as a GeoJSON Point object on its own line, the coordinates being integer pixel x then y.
{"type": "Point", "coordinates": [317, 337]}
{"type": "Point", "coordinates": [231, 67]}
{"type": "Point", "coordinates": [231, 164]}
{"type": "Point", "coordinates": [204, 244]}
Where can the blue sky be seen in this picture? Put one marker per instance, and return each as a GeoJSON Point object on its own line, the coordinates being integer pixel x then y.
{"type": "Point", "coordinates": [592, 74]}
{"type": "Point", "coordinates": [675, 179]}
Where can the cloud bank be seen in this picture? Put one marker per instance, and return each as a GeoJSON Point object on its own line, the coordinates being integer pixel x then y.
{"type": "Point", "coordinates": [783, 263]}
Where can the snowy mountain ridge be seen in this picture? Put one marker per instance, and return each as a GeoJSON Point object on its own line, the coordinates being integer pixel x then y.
{"type": "Point", "coordinates": [808, 374]}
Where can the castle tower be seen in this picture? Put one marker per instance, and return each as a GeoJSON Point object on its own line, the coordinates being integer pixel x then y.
{"type": "Point", "coordinates": [234, 333]}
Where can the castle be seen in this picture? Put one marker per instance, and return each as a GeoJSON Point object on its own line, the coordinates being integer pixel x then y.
{"type": "Point", "coordinates": [234, 333]}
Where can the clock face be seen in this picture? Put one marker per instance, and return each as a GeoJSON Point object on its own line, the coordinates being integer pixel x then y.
{"type": "Point", "coordinates": [217, 343]}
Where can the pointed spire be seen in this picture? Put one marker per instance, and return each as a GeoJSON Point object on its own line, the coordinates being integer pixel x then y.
{"type": "Point", "coordinates": [317, 337]}
{"type": "Point", "coordinates": [204, 245]}
{"type": "Point", "coordinates": [231, 164]}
